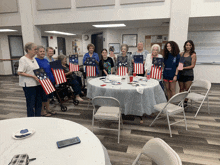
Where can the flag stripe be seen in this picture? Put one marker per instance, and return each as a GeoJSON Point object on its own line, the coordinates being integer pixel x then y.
{"type": "Point", "coordinates": [122, 70]}
{"type": "Point", "coordinates": [45, 86]}
{"type": "Point", "coordinates": [139, 68]}
{"type": "Point", "coordinates": [156, 72]}
{"type": "Point", "coordinates": [90, 71]}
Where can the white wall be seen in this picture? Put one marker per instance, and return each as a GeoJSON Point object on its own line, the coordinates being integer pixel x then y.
{"type": "Point", "coordinates": [204, 8]}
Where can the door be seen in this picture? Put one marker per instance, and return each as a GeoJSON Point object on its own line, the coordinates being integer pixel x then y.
{"type": "Point", "coordinates": [97, 40]}
{"type": "Point", "coordinates": [61, 45]}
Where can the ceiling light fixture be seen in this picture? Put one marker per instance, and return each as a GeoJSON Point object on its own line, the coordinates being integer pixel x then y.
{"type": "Point", "coordinates": [62, 33]}
{"type": "Point", "coordinates": [109, 25]}
{"type": "Point", "coordinates": [7, 30]}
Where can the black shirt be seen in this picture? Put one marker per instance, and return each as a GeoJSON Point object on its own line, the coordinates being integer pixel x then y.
{"type": "Point", "coordinates": [107, 65]}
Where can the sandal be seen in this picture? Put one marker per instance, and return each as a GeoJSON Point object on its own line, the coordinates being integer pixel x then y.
{"type": "Point", "coordinates": [52, 112]}
{"type": "Point", "coordinates": [79, 99]}
{"type": "Point", "coordinates": [45, 114]}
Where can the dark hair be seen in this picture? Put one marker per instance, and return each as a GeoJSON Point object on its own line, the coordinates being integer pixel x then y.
{"type": "Point", "coordinates": [192, 49]}
{"type": "Point", "coordinates": [174, 49]}
{"type": "Point", "coordinates": [102, 56]}
{"type": "Point", "coordinates": [112, 48]}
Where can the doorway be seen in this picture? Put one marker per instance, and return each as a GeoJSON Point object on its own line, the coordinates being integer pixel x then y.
{"type": "Point", "coordinates": [97, 40]}
{"type": "Point", "coordinates": [61, 43]}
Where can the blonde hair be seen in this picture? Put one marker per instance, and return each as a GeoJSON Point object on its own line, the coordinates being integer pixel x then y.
{"type": "Point", "coordinates": [49, 48]}
{"type": "Point", "coordinates": [39, 47]}
{"type": "Point", "coordinates": [61, 57]}
{"type": "Point", "coordinates": [29, 46]}
{"type": "Point", "coordinates": [157, 46]}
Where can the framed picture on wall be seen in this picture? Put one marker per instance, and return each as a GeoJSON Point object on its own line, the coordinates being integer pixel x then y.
{"type": "Point", "coordinates": [129, 39]}
{"type": "Point", "coordinates": [116, 47]}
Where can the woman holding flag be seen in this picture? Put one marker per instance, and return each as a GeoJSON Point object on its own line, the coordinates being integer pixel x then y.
{"type": "Point", "coordinates": [44, 63]}
{"type": "Point", "coordinates": [123, 62]}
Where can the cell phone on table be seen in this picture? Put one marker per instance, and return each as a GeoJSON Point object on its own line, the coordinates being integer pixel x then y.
{"type": "Point", "coordinates": [68, 142]}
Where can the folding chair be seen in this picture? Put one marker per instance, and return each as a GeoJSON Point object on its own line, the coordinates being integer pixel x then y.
{"type": "Point", "coordinates": [109, 109]}
{"type": "Point", "coordinates": [159, 152]}
{"type": "Point", "coordinates": [193, 96]}
{"type": "Point", "coordinates": [170, 108]}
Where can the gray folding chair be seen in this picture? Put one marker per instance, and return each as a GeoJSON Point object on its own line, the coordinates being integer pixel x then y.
{"type": "Point", "coordinates": [109, 109]}
{"type": "Point", "coordinates": [172, 107]}
{"type": "Point", "coordinates": [159, 152]}
{"type": "Point", "coordinates": [197, 97]}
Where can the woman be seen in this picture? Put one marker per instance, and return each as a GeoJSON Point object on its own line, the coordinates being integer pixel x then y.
{"type": "Point", "coordinates": [186, 75]}
{"type": "Point", "coordinates": [140, 51]}
{"type": "Point", "coordinates": [124, 50]}
{"type": "Point", "coordinates": [91, 53]}
{"type": "Point", "coordinates": [50, 53]}
{"type": "Point", "coordinates": [113, 56]}
{"type": "Point", "coordinates": [171, 62]}
{"type": "Point", "coordinates": [73, 80]}
{"type": "Point", "coordinates": [106, 64]}
{"type": "Point", "coordinates": [29, 81]}
{"type": "Point", "coordinates": [43, 63]}
{"type": "Point", "coordinates": [155, 49]}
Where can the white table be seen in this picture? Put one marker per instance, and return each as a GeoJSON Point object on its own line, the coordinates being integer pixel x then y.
{"type": "Point", "coordinates": [42, 144]}
{"type": "Point", "coordinates": [132, 102]}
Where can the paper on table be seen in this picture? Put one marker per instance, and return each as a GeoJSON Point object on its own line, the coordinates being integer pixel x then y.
{"type": "Point", "coordinates": [140, 90]}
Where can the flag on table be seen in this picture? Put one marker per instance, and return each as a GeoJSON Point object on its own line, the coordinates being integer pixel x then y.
{"type": "Point", "coordinates": [90, 67]}
{"type": "Point", "coordinates": [58, 72]}
{"type": "Point", "coordinates": [73, 63]}
{"type": "Point", "coordinates": [138, 64]}
{"type": "Point", "coordinates": [156, 68]}
{"type": "Point", "coordinates": [44, 81]}
{"type": "Point", "coordinates": [122, 66]}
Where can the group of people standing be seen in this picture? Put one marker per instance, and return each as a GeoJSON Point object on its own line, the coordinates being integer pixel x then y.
{"type": "Point", "coordinates": [38, 102]}
{"type": "Point", "coordinates": [171, 59]}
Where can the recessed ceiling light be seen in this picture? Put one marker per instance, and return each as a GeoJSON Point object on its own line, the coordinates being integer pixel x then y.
{"type": "Point", "coordinates": [63, 33]}
{"type": "Point", "coordinates": [109, 25]}
{"type": "Point", "coordinates": [7, 30]}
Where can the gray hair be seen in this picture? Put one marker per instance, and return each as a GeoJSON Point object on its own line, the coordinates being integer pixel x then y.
{"type": "Point", "coordinates": [157, 46]}
{"type": "Point", "coordinates": [39, 47]}
{"type": "Point", "coordinates": [61, 57]}
{"type": "Point", "coordinates": [29, 46]}
{"type": "Point", "coordinates": [124, 45]}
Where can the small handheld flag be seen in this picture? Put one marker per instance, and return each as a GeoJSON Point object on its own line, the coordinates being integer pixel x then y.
{"type": "Point", "coordinates": [73, 63]}
{"type": "Point", "coordinates": [138, 64]}
{"type": "Point", "coordinates": [122, 66]}
{"type": "Point", "coordinates": [58, 72]}
{"type": "Point", "coordinates": [90, 67]}
{"type": "Point", "coordinates": [44, 81]}
{"type": "Point", "coordinates": [156, 68]}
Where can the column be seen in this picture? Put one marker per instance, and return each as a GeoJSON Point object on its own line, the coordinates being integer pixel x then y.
{"type": "Point", "coordinates": [30, 32]}
{"type": "Point", "coordinates": [179, 22]}
{"type": "Point", "coordinates": [5, 66]}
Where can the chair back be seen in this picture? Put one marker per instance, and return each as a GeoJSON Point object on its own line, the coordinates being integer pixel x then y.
{"type": "Point", "coordinates": [161, 153]}
{"type": "Point", "coordinates": [202, 84]}
{"type": "Point", "coordinates": [105, 101]}
{"type": "Point", "coordinates": [177, 98]}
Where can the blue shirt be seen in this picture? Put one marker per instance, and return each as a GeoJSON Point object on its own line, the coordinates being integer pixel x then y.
{"type": "Point", "coordinates": [52, 59]}
{"type": "Point", "coordinates": [96, 56]}
{"type": "Point", "coordinates": [171, 63]}
{"type": "Point", "coordinates": [43, 63]}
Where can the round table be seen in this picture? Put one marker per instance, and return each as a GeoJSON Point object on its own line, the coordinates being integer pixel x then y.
{"type": "Point", "coordinates": [42, 144]}
{"type": "Point", "coordinates": [134, 100]}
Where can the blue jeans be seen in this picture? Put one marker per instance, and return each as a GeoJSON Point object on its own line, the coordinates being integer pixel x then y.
{"type": "Point", "coordinates": [33, 100]}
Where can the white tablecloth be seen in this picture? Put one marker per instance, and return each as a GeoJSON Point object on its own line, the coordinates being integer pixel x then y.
{"type": "Point", "coordinates": [132, 102]}
{"type": "Point", "coordinates": [42, 144]}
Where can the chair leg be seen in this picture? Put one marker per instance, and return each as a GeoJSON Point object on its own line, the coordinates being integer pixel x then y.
{"type": "Point", "coordinates": [168, 120]}
{"type": "Point", "coordinates": [88, 104]}
{"type": "Point", "coordinates": [184, 116]}
{"type": "Point", "coordinates": [119, 130]}
{"type": "Point", "coordinates": [92, 121]}
{"type": "Point", "coordinates": [121, 121]}
{"type": "Point", "coordinates": [199, 109]}
{"type": "Point", "coordinates": [155, 118]}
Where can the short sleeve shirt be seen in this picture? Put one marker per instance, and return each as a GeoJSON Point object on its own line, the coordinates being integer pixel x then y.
{"type": "Point", "coordinates": [107, 65]}
{"type": "Point", "coordinates": [27, 65]}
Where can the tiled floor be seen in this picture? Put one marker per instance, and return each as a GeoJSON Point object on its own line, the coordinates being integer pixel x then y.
{"type": "Point", "coordinates": [200, 144]}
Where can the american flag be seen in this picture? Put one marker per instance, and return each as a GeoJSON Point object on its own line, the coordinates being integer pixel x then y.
{"type": "Point", "coordinates": [138, 64]}
{"type": "Point", "coordinates": [122, 66]}
{"type": "Point", "coordinates": [73, 63]}
{"type": "Point", "coordinates": [156, 68]}
{"type": "Point", "coordinates": [44, 81]}
{"type": "Point", "coordinates": [90, 67]}
{"type": "Point", "coordinates": [58, 72]}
